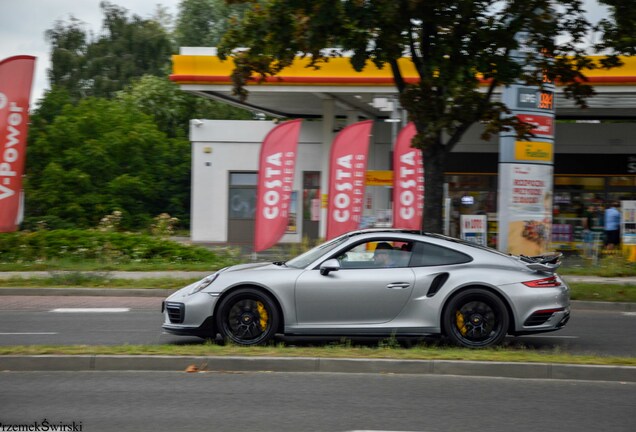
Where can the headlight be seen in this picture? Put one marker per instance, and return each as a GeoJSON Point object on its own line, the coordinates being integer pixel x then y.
{"type": "Point", "coordinates": [203, 283]}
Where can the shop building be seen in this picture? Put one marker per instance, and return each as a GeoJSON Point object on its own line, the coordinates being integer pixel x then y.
{"type": "Point", "coordinates": [594, 160]}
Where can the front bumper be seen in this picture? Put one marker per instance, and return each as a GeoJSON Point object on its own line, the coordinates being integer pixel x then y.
{"type": "Point", "coordinates": [192, 315]}
{"type": "Point", "coordinates": [205, 330]}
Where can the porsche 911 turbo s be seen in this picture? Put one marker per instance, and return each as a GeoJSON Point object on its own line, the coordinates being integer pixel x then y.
{"type": "Point", "coordinates": [378, 283]}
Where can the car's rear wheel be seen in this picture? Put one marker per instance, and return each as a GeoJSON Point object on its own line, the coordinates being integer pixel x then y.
{"type": "Point", "coordinates": [476, 318]}
{"type": "Point", "coordinates": [247, 317]}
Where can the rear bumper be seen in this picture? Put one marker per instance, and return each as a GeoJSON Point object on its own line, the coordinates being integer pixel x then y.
{"type": "Point", "coordinates": [545, 320]}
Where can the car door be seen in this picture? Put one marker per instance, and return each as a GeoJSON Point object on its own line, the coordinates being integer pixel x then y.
{"type": "Point", "coordinates": [356, 295]}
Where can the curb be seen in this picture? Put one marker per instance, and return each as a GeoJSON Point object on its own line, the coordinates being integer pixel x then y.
{"type": "Point", "coordinates": [317, 365]}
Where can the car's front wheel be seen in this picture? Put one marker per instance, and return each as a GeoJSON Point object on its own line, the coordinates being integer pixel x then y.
{"type": "Point", "coordinates": [476, 318]}
{"type": "Point", "coordinates": [247, 317]}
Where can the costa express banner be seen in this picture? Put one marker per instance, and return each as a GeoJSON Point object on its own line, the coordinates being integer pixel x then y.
{"type": "Point", "coordinates": [16, 77]}
{"type": "Point", "coordinates": [408, 181]}
{"type": "Point", "coordinates": [275, 183]}
{"type": "Point", "coordinates": [347, 173]}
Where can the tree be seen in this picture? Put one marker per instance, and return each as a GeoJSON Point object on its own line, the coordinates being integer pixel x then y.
{"type": "Point", "coordinates": [100, 66]}
{"type": "Point", "coordinates": [202, 23]}
{"type": "Point", "coordinates": [455, 45]}
{"type": "Point", "coordinates": [172, 108]}
{"type": "Point", "coordinates": [102, 155]}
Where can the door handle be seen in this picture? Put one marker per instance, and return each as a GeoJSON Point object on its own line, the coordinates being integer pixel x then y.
{"type": "Point", "coordinates": [398, 285]}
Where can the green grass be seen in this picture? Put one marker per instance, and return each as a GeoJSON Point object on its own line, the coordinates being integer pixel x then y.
{"type": "Point", "coordinates": [97, 266]}
{"type": "Point", "coordinates": [93, 280]}
{"type": "Point", "coordinates": [607, 266]}
{"type": "Point", "coordinates": [603, 292]}
{"type": "Point", "coordinates": [388, 350]}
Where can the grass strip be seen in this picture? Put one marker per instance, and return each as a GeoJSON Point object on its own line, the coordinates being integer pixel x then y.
{"type": "Point", "coordinates": [340, 350]}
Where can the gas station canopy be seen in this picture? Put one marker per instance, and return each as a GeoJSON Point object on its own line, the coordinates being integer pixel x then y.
{"type": "Point", "coordinates": [298, 91]}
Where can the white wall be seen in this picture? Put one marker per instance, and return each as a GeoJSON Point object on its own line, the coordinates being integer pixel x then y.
{"type": "Point", "coordinates": [220, 146]}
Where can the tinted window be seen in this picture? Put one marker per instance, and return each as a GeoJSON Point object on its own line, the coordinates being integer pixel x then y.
{"type": "Point", "coordinates": [389, 253]}
{"type": "Point", "coordinates": [426, 254]}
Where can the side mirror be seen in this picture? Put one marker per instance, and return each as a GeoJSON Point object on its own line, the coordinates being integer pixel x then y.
{"type": "Point", "coordinates": [329, 266]}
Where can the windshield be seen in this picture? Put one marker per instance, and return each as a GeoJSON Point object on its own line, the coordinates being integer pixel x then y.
{"type": "Point", "coordinates": [302, 261]}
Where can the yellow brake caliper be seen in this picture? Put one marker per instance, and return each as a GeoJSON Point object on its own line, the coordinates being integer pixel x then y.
{"type": "Point", "coordinates": [263, 314]}
{"type": "Point", "coordinates": [459, 321]}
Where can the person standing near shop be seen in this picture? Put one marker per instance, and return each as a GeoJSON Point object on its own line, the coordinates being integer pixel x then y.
{"type": "Point", "coordinates": [612, 226]}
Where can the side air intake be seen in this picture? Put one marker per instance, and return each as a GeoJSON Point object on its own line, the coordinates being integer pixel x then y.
{"type": "Point", "coordinates": [437, 284]}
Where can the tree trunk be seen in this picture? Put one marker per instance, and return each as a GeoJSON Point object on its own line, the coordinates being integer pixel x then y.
{"type": "Point", "coordinates": [434, 163]}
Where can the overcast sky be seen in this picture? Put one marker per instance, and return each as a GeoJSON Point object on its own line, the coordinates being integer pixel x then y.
{"type": "Point", "coordinates": [23, 23]}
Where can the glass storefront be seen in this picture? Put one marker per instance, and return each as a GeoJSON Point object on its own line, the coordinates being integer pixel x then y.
{"type": "Point", "coordinates": [578, 203]}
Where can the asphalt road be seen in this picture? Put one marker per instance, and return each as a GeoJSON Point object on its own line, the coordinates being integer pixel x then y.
{"type": "Point", "coordinates": [42, 320]}
{"type": "Point", "coordinates": [168, 401]}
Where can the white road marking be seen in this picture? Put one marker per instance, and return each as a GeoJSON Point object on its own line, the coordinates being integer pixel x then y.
{"type": "Point", "coordinates": [27, 333]}
{"type": "Point", "coordinates": [629, 313]}
{"type": "Point", "coordinates": [90, 310]}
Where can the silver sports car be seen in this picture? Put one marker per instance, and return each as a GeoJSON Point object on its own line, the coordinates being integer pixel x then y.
{"type": "Point", "coordinates": [378, 283]}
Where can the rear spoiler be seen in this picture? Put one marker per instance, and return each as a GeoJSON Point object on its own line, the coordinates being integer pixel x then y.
{"type": "Point", "coordinates": [547, 263]}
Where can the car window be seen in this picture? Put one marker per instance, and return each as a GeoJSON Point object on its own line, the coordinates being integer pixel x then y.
{"type": "Point", "coordinates": [377, 254]}
{"type": "Point", "coordinates": [302, 261]}
{"type": "Point", "coordinates": [427, 254]}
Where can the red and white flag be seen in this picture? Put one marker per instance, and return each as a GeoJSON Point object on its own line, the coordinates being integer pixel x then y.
{"type": "Point", "coordinates": [408, 181]}
{"type": "Point", "coordinates": [16, 77]}
{"type": "Point", "coordinates": [347, 177]}
{"type": "Point", "coordinates": [275, 183]}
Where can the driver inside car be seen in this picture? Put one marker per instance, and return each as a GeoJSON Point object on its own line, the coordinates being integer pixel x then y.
{"type": "Point", "coordinates": [383, 255]}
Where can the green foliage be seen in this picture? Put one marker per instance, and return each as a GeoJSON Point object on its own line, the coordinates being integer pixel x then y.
{"type": "Point", "coordinates": [99, 156]}
{"type": "Point", "coordinates": [87, 156]}
{"type": "Point", "coordinates": [105, 247]}
{"type": "Point", "coordinates": [202, 23]}
{"type": "Point", "coordinates": [128, 47]}
{"type": "Point", "coordinates": [451, 44]}
{"type": "Point", "coordinates": [172, 108]}
{"type": "Point", "coordinates": [603, 292]}
{"type": "Point", "coordinates": [163, 225]}
{"type": "Point", "coordinates": [620, 30]}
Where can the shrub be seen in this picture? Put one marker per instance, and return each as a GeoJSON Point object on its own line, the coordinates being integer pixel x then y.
{"type": "Point", "coordinates": [111, 247]}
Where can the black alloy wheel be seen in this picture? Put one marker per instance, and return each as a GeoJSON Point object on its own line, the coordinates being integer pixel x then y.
{"type": "Point", "coordinates": [247, 317]}
{"type": "Point", "coordinates": [476, 318]}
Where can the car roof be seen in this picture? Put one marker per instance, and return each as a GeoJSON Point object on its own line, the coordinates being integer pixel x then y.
{"type": "Point", "coordinates": [462, 244]}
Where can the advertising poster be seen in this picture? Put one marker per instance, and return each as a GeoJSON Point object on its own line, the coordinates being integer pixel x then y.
{"type": "Point", "coordinates": [408, 181]}
{"type": "Point", "coordinates": [276, 171]}
{"type": "Point", "coordinates": [628, 228]}
{"type": "Point", "coordinates": [292, 224]}
{"type": "Point", "coordinates": [16, 76]}
{"type": "Point", "coordinates": [526, 191]}
{"type": "Point", "coordinates": [473, 229]}
{"type": "Point", "coordinates": [347, 174]}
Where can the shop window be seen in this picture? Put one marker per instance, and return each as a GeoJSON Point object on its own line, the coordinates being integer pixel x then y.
{"type": "Point", "coordinates": [586, 183]}
{"type": "Point", "coordinates": [242, 195]}
{"type": "Point", "coordinates": [627, 181]}
{"type": "Point", "coordinates": [243, 179]}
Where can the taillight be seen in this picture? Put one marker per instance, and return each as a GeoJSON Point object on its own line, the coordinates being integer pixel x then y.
{"type": "Point", "coordinates": [548, 282]}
